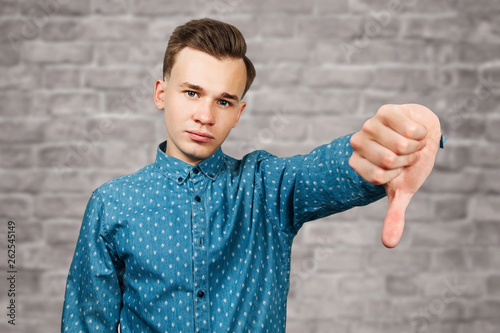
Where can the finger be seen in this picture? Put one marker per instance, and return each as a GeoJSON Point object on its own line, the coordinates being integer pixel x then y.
{"type": "Point", "coordinates": [391, 139]}
{"type": "Point", "coordinates": [394, 222]}
{"type": "Point", "coordinates": [370, 172]}
{"type": "Point", "coordinates": [384, 158]}
{"type": "Point", "coordinates": [397, 117]}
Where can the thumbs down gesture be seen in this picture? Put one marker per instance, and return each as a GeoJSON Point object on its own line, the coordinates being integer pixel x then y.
{"type": "Point", "coordinates": [397, 148]}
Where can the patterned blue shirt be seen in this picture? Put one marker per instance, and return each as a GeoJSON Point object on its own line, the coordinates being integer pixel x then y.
{"type": "Point", "coordinates": [205, 248]}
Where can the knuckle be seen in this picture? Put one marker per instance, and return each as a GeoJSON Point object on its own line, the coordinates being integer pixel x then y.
{"type": "Point", "coordinates": [356, 141]}
{"type": "Point", "coordinates": [402, 147]}
{"type": "Point", "coordinates": [388, 160]}
{"type": "Point", "coordinates": [377, 176]}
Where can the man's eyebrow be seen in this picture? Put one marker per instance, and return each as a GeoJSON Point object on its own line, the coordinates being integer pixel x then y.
{"type": "Point", "coordinates": [225, 95]}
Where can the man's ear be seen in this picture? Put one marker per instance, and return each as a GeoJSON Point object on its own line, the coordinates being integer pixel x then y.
{"type": "Point", "coordinates": [159, 95]}
{"type": "Point", "coordinates": [242, 107]}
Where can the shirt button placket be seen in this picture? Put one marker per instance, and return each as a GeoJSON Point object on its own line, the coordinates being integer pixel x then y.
{"type": "Point", "coordinates": [200, 263]}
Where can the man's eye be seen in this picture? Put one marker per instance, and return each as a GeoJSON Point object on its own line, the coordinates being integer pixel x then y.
{"type": "Point", "coordinates": [224, 103]}
{"type": "Point", "coordinates": [191, 93]}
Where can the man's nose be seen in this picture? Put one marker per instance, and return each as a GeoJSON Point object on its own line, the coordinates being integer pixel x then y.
{"type": "Point", "coordinates": [205, 113]}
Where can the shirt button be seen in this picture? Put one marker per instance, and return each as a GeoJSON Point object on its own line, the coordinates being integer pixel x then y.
{"type": "Point", "coordinates": [179, 179]}
{"type": "Point", "coordinates": [197, 198]}
{"type": "Point", "coordinates": [196, 171]}
{"type": "Point", "coordinates": [201, 293]}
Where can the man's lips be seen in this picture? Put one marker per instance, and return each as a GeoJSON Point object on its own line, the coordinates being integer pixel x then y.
{"type": "Point", "coordinates": [200, 136]}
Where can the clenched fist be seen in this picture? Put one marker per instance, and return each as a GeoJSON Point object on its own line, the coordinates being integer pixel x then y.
{"type": "Point", "coordinates": [397, 148]}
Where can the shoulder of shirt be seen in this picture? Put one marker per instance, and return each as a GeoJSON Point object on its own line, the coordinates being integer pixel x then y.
{"type": "Point", "coordinates": [123, 180]}
{"type": "Point", "coordinates": [253, 157]}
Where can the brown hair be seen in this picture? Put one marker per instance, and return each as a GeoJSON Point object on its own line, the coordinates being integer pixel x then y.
{"type": "Point", "coordinates": [219, 39]}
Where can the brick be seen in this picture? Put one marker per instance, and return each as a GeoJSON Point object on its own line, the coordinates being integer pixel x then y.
{"type": "Point", "coordinates": [486, 208]}
{"type": "Point", "coordinates": [15, 207]}
{"type": "Point", "coordinates": [70, 104]}
{"type": "Point", "coordinates": [275, 127]}
{"type": "Point", "coordinates": [280, 75]}
{"type": "Point", "coordinates": [454, 157]}
{"type": "Point", "coordinates": [325, 7]}
{"type": "Point", "coordinates": [126, 155]}
{"type": "Point", "coordinates": [65, 129]}
{"type": "Point", "coordinates": [19, 180]}
{"type": "Point", "coordinates": [116, 78]}
{"type": "Point", "coordinates": [493, 285]}
{"type": "Point", "coordinates": [14, 104]}
{"type": "Point", "coordinates": [450, 260]}
{"type": "Point", "coordinates": [62, 78]}
{"type": "Point", "coordinates": [158, 7]}
{"type": "Point", "coordinates": [60, 232]}
{"type": "Point", "coordinates": [274, 25]}
{"type": "Point", "coordinates": [291, 7]}
{"type": "Point", "coordinates": [318, 286]}
{"type": "Point", "coordinates": [329, 27]}
{"type": "Point", "coordinates": [436, 234]}
{"type": "Point", "coordinates": [478, 52]}
{"type": "Point", "coordinates": [57, 53]}
{"type": "Point", "coordinates": [490, 181]}
{"type": "Point", "coordinates": [486, 155]}
{"type": "Point", "coordinates": [402, 260]}
{"type": "Point", "coordinates": [76, 181]}
{"type": "Point", "coordinates": [488, 309]}
{"type": "Point", "coordinates": [341, 234]}
{"type": "Point", "coordinates": [327, 129]}
{"type": "Point", "coordinates": [9, 7]}
{"type": "Point", "coordinates": [8, 55]}
{"type": "Point", "coordinates": [52, 282]}
{"type": "Point", "coordinates": [162, 29]}
{"type": "Point", "coordinates": [19, 77]}
{"type": "Point", "coordinates": [113, 53]}
{"type": "Point", "coordinates": [332, 260]}
{"type": "Point", "coordinates": [123, 130]}
{"type": "Point", "coordinates": [484, 259]}
{"type": "Point", "coordinates": [16, 156]}
{"type": "Point", "coordinates": [137, 100]}
{"type": "Point", "coordinates": [148, 53]}
{"type": "Point", "coordinates": [487, 233]}
{"type": "Point", "coordinates": [295, 50]}
{"type": "Point", "coordinates": [114, 30]}
{"type": "Point", "coordinates": [401, 285]}
{"type": "Point", "coordinates": [297, 102]}
{"type": "Point", "coordinates": [477, 6]}
{"type": "Point", "coordinates": [47, 9]}
{"type": "Point", "coordinates": [64, 158]}
{"type": "Point", "coordinates": [310, 308]}
{"type": "Point", "coordinates": [61, 205]}
{"type": "Point", "coordinates": [376, 327]}
{"type": "Point", "coordinates": [444, 28]}
{"type": "Point", "coordinates": [17, 130]}
{"type": "Point", "coordinates": [451, 208]}
{"type": "Point", "coordinates": [111, 7]}
{"type": "Point", "coordinates": [62, 30]}
{"type": "Point", "coordinates": [337, 77]}
{"type": "Point", "coordinates": [483, 326]}
{"type": "Point", "coordinates": [361, 286]}
{"type": "Point", "coordinates": [493, 129]}
{"type": "Point", "coordinates": [466, 181]}
{"type": "Point", "coordinates": [390, 78]}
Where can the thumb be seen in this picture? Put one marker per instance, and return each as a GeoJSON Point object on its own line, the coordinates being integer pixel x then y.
{"type": "Point", "coordinates": [394, 222]}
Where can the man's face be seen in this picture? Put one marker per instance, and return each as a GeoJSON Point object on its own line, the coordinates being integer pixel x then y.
{"type": "Point", "coordinates": [202, 103]}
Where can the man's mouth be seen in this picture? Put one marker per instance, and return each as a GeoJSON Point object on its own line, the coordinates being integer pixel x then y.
{"type": "Point", "coordinates": [200, 136]}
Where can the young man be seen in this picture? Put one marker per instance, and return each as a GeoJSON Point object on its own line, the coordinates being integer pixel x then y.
{"type": "Point", "coordinates": [200, 242]}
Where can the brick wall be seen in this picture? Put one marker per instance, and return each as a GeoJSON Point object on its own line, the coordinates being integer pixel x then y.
{"type": "Point", "coordinates": [76, 109]}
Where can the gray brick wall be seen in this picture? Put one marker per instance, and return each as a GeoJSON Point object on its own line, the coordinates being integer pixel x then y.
{"type": "Point", "coordinates": [76, 109]}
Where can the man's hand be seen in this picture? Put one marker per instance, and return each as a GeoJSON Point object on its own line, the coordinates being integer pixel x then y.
{"type": "Point", "coordinates": [397, 148]}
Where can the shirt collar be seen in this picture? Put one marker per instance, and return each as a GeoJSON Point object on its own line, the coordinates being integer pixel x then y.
{"type": "Point", "coordinates": [179, 171]}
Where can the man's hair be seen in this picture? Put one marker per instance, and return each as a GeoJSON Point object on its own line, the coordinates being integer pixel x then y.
{"type": "Point", "coordinates": [219, 39]}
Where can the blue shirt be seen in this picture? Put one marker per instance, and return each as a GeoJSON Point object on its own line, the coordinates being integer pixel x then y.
{"type": "Point", "coordinates": [205, 248]}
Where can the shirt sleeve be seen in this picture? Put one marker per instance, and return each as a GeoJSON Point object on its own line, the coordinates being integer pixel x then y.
{"type": "Point", "coordinates": [93, 297]}
{"type": "Point", "coordinates": [307, 187]}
